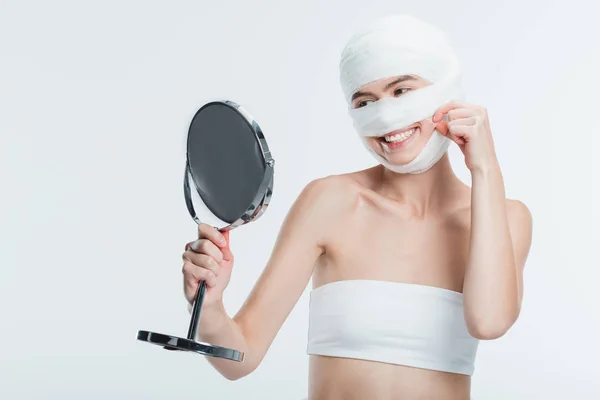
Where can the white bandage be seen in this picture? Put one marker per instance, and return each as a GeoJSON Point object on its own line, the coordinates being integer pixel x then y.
{"type": "Point", "coordinates": [401, 45]}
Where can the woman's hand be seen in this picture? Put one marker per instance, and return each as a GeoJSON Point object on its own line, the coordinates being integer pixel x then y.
{"type": "Point", "coordinates": [468, 126]}
{"type": "Point", "coordinates": [207, 259]}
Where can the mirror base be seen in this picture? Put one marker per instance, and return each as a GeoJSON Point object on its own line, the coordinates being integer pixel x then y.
{"type": "Point", "coordinates": [182, 344]}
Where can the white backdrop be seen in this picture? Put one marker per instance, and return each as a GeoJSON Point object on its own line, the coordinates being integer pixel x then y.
{"type": "Point", "coordinates": [95, 100]}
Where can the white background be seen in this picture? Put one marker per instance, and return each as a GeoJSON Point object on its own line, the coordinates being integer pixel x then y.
{"type": "Point", "coordinates": [95, 100]}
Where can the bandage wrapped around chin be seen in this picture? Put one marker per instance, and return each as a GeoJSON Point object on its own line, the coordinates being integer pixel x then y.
{"type": "Point", "coordinates": [401, 45]}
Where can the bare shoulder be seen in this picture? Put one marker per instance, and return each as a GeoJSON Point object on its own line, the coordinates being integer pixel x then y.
{"type": "Point", "coordinates": [324, 202]}
{"type": "Point", "coordinates": [520, 223]}
{"type": "Point", "coordinates": [518, 213]}
{"type": "Point", "coordinates": [331, 191]}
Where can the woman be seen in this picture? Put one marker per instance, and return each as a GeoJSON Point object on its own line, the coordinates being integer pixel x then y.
{"type": "Point", "coordinates": [410, 267]}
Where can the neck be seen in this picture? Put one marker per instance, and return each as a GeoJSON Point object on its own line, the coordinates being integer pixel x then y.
{"type": "Point", "coordinates": [423, 192]}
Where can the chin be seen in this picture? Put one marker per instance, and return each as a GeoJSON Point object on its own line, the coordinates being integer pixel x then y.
{"type": "Point", "coordinates": [402, 156]}
{"type": "Point", "coordinates": [397, 160]}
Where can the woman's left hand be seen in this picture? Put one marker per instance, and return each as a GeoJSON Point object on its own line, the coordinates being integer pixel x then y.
{"type": "Point", "coordinates": [468, 126]}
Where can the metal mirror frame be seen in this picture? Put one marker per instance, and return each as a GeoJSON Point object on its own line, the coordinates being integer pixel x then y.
{"type": "Point", "coordinates": [265, 190]}
{"type": "Point", "coordinates": [257, 207]}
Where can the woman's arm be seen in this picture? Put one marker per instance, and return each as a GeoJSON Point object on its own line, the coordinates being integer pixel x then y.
{"type": "Point", "coordinates": [501, 232]}
{"type": "Point", "coordinates": [500, 229]}
{"type": "Point", "coordinates": [299, 244]}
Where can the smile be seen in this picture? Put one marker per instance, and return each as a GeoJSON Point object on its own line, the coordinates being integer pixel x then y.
{"type": "Point", "coordinates": [399, 138]}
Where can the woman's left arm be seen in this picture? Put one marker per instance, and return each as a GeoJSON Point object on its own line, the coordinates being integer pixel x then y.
{"type": "Point", "coordinates": [501, 230]}
{"type": "Point", "coordinates": [499, 244]}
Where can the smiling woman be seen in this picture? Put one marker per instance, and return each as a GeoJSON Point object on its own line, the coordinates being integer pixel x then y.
{"type": "Point", "coordinates": [390, 143]}
{"type": "Point", "coordinates": [388, 321]}
{"type": "Point", "coordinates": [392, 277]}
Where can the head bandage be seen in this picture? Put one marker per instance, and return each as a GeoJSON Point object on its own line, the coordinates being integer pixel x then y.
{"type": "Point", "coordinates": [401, 45]}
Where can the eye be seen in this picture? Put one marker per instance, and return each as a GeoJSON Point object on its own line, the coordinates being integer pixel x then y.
{"type": "Point", "coordinates": [401, 91]}
{"type": "Point", "coordinates": [362, 103]}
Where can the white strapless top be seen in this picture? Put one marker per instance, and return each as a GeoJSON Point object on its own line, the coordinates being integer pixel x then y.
{"type": "Point", "coordinates": [392, 322]}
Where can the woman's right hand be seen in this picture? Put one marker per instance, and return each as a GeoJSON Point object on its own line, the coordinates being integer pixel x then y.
{"type": "Point", "coordinates": [207, 259]}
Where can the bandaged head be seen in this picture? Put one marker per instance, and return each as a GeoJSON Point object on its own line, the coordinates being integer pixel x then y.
{"type": "Point", "coordinates": [401, 45]}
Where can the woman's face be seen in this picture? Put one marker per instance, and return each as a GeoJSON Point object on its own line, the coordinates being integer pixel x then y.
{"type": "Point", "coordinates": [403, 145]}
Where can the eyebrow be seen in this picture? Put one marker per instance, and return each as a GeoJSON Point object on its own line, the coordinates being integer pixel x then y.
{"type": "Point", "coordinates": [401, 78]}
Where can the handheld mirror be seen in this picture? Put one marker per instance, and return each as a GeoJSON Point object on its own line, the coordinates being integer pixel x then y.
{"type": "Point", "coordinates": [230, 169]}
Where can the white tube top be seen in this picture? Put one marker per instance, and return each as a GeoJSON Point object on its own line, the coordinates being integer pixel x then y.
{"type": "Point", "coordinates": [392, 322]}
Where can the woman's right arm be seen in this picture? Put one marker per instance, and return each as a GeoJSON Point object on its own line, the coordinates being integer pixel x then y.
{"type": "Point", "coordinates": [299, 243]}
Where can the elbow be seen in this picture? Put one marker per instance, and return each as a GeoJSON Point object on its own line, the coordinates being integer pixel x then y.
{"type": "Point", "coordinates": [487, 331]}
{"type": "Point", "coordinates": [491, 322]}
{"type": "Point", "coordinates": [491, 328]}
{"type": "Point", "coordinates": [237, 375]}
{"type": "Point", "coordinates": [233, 377]}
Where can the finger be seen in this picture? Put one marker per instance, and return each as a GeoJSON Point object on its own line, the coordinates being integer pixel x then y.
{"type": "Point", "coordinates": [205, 246]}
{"type": "Point", "coordinates": [439, 113]}
{"type": "Point", "coordinates": [458, 113]}
{"type": "Point", "coordinates": [227, 255]}
{"type": "Point", "coordinates": [469, 121]}
{"type": "Point", "coordinates": [202, 261]}
{"type": "Point", "coordinates": [442, 128]}
{"type": "Point", "coordinates": [460, 132]}
{"type": "Point", "coordinates": [226, 235]}
{"type": "Point", "coordinates": [459, 141]}
{"type": "Point", "coordinates": [193, 277]}
{"type": "Point", "coordinates": [455, 139]}
{"type": "Point", "coordinates": [194, 274]}
{"type": "Point", "coordinates": [206, 231]}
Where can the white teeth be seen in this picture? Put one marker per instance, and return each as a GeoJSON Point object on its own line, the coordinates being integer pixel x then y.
{"type": "Point", "coordinates": [400, 136]}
